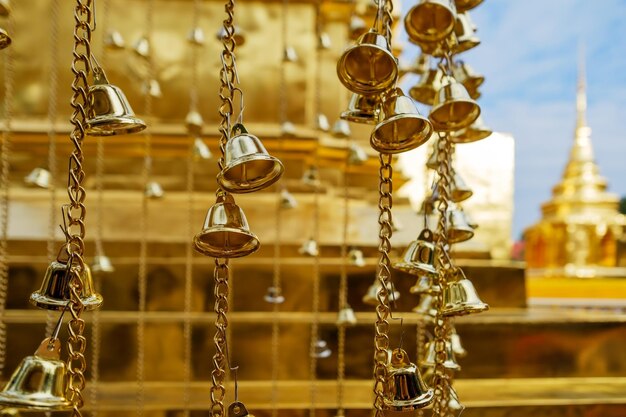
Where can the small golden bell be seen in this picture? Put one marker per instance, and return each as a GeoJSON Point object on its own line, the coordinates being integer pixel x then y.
{"type": "Point", "coordinates": [142, 47]}
{"type": "Point", "coordinates": [196, 36]}
{"type": "Point", "coordinates": [321, 350]}
{"type": "Point", "coordinates": [5, 39]}
{"type": "Point", "coordinates": [309, 248]}
{"type": "Point", "coordinates": [341, 129]}
{"type": "Point", "coordinates": [346, 317]}
{"type": "Point", "coordinates": [290, 54]}
{"type": "Point", "coordinates": [102, 263]}
{"type": "Point", "coordinates": [274, 296]}
{"type": "Point", "coordinates": [201, 150]}
{"type": "Point", "coordinates": [355, 257]}
{"type": "Point", "coordinates": [39, 177]}
{"type": "Point", "coordinates": [287, 200]}
{"type": "Point", "coordinates": [356, 154]}
{"type": "Point", "coordinates": [154, 190]}
{"type": "Point", "coordinates": [114, 40]}
{"type": "Point", "coordinates": [322, 122]}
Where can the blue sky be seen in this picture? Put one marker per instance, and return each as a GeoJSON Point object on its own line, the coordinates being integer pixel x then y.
{"type": "Point", "coordinates": [529, 56]}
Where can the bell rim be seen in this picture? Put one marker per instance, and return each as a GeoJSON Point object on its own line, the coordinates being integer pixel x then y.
{"type": "Point", "coordinates": [468, 5]}
{"type": "Point", "coordinates": [420, 97]}
{"type": "Point", "coordinates": [413, 143]}
{"type": "Point", "coordinates": [134, 125]}
{"type": "Point", "coordinates": [458, 125]}
{"type": "Point", "coordinates": [58, 404]}
{"type": "Point", "coordinates": [46, 303]}
{"type": "Point", "coordinates": [359, 117]}
{"type": "Point", "coordinates": [250, 247]}
{"type": "Point", "coordinates": [461, 196]}
{"type": "Point", "coordinates": [463, 236]}
{"type": "Point", "coordinates": [463, 309]}
{"type": "Point", "coordinates": [413, 269]}
{"type": "Point", "coordinates": [275, 174]}
{"type": "Point", "coordinates": [469, 137]}
{"type": "Point", "coordinates": [423, 400]}
{"type": "Point", "coordinates": [466, 45]}
{"type": "Point", "coordinates": [367, 91]}
{"type": "Point", "coordinates": [416, 37]}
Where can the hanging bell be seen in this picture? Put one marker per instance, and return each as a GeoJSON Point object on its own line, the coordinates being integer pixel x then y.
{"type": "Point", "coordinates": [371, 297]}
{"type": "Point", "coordinates": [142, 47]}
{"type": "Point", "coordinates": [425, 309]}
{"type": "Point", "coordinates": [405, 387]}
{"type": "Point", "coordinates": [225, 233]}
{"type": "Point", "coordinates": [419, 256]}
{"type": "Point", "coordinates": [465, 33]}
{"type": "Point", "coordinates": [309, 248]}
{"type": "Point", "coordinates": [454, 404]}
{"type": "Point", "coordinates": [368, 67]}
{"type": "Point", "coordinates": [153, 190]}
{"type": "Point", "coordinates": [424, 285]}
{"type": "Point", "coordinates": [455, 341]}
{"type": "Point", "coordinates": [465, 5]}
{"type": "Point", "coordinates": [355, 257]}
{"type": "Point", "coordinates": [430, 20]}
{"type": "Point", "coordinates": [201, 150]}
{"type": "Point", "coordinates": [362, 109]}
{"type": "Point", "coordinates": [346, 317]}
{"type": "Point", "coordinates": [248, 166]}
{"type": "Point", "coordinates": [466, 75]}
{"type": "Point", "coordinates": [5, 39]}
{"type": "Point", "coordinates": [357, 27]}
{"type": "Point", "coordinates": [153, 88]}
{"type": "Point", "coordinates": [433, 160]}
{"type": "Point", "coordinates": [459, 191]}
{"type": "Point", "coordinates": [288, 129]}
{"type": "Point", "coordinates": [459, 229]}
{"type": "Point", "coordinates": [396, 225]}
{"type": "Point", "coordinates": [110, 113]}
{"type": "Point", "coordinates": [102, 263]}
{"type": "Point", "coordinates": [476, 131]}
{"type": "Point", "coordinates": [401, 128]}
{"type": "Point", "coordinates": [322, 123]}
{"type": "Point", "coordinates": [38, 383]}
{"type": "Point", "coordinates": [460, 298]}
{"type": "Point", "coordinates": [324, 41]}
{"type": "Point", "coordinates": [426, 89]}
{"type": "Point", "coordinates": [421, 65]}
{"type": "Point", "coordinates": [341, 129]}
{"type": "Point", "coordinates": [5, 8]}
{"type": "Point", "coordinates": [114, 40]}
{"type": "Point", "coordinates": [196, 36]}
{"type": "Point", "coordinates": [311, 177]}
{"type": "Point", "coordinates": [238, 35]}
{"type": "Point", "coordinates": [290, 54]}
{"type": "Point", "coordinates": [356, 154]}
{"type": "Point", "coordinates": [274, 296]}
{"type": "Point", "coordinates": [453, 108]}
{"type": "Point", "coordinates": [194, 123]}
{"type": "Point", "coordinates": [54, 293]}
{"type": "Point", "coordinates": [321, 350]}
{"type": "Point", "coordinates": [450, 361]}
{"type": "Point", "coordinates": [39, 177]}
{"type": "Point", "coordinates": [237, 409]}
{"type": "Point", "coordinates": [287, 200]}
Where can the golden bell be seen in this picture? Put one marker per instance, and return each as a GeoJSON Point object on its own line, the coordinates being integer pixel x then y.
{"type": "Point", "coordinates": [346, 317]}
{"type": "Point", "coordinates": [465, 5]}
{"type": "Point", "coordinates": [54, 293]}
{"type": "Point", "coordinates": [357, 27]}
{"type": "Point", "coordinates": [309, 248]}
{"type": "Point", "coordinates": [39, 177]}
{"type": "Point", "coordinates": [450, 361]}
{"type": "Point", "coordinates": [324, 41]}
{"type": "Point", "coordinates": [368, 67]}
{"type": "Point", "coordinates": [356, 154]}
{"type": "Point", "coordinates": [287, 200]}
{"type": "Point", "coordinates": [238, 35]}
{"type": "Point", "coordinates": [440, 48]}
{"type": "Point", "coordinates": [425, 310]}
{"type": "Point", "coordinates": [459, 191]}
{"type": "Point", "coordinates": [201, 150]}
{"type": "Point", "coordinates": [371, 297]}
{"type": "Point", "coordinates": [322, 123]}
{"type": "Point", "coordinates": [424, 285]}
{"type": "Point", "coordinates": [426, 89]}
{"type": "Point", "coordinates": [38, 383]}
{"type": "Point", "coordinates": [362, 109]}
{"type": "Point", "coordinates": [465, 33]}
{"type": "Point", "coordinates": [355, 257]}
{"type": "Point", "coordinates": [288, 129]}
{"type": "Point", "coordinates": [196, 36]}
{"type": "Point", "coordinates": [110, 113]}
{"type": "Point", "coordinates": [290, 54]}
{"type": "Point", "coordinates": [459, 229]}
{"type": "Point", "coordinates": [225, 233]}
{"type": "Point", "coordinates": [102, 263]}
{"type": "Point", "coordinates": [460, 298]}
{"type": "Point", "coordinates": [274, 296]}
{"type": "Point", "coordinates": [455, 341]}
{"type": "Point", "coordinates": [402, 128]}
{"type": "Point", "coordinates": [153, 190]}
{"type": "Point", "coordinates": [311, 177]}
{"type": "Point", "coordinates": [433, 160]}
{"type": "Point", "coordinates": [453, 108]}
{"type": "Point", "coordinates": [248, 166]}
{"type": "Point", "coordinates": [114, 40]}
{"type": "Point", "coordinates": [142, 47]}
{"type": "Point", "coordinates": [5, 8]}
{"type": "Point", "coordinates": [430, 20]}
{"type": "Point", "coordinates": [5, 39]}
{"type": "Point", "coordinates": [237, 409]}
{"type": "Point", "coordinates": [396, 224]}
{"type": "Point", "coordinates": [321, 350]}
{"type": "Point", "coordinates": [405, 387]}
{"type": "Point", "coordinates": [341, 129]}
{"type": "Point", "coordinates": [454, 404]}
{"type": "Point", "coordinates": [194, 123]}
{"type": "Point", "coordinates": [421, 65]}
{"type": "Point", "coordinates": [475, 132]}
{"type": "Point", "coordinates": [419, 256]}
{"type": "Point", "coordinates": [466, 75]}
{"type": "Point", "coordinates": [153, 88]}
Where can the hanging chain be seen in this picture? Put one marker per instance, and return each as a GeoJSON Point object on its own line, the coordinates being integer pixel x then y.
{"type": "Point", "coordinates": [383, 309]}
{"type": "Point", "coordinates": [4, 188]}
{"type": "Point", "coordinates": [228, 77]}
{"type": "Point", "coordinates": [315, 307]}
{"type": "Point", "coordinates": [75, 246]}
{"type": "Point", "coordinates": [220, 362]}
{"type": "Point", "coordinates": [387, 7]}
{"type": "Point", "coordinates": [343, 297]}
{"type": "Point", "coordinates": [441, 381]}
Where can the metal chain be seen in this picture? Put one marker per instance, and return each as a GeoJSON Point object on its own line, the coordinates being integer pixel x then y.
{"type": "Point", "coordinates": [194, 87]}
{"type": "Point", "coordinates": [220, 361]}
{"type": "Point", "coordinates": [315, 307]}
{"type": "Point", "coordinates": [228, 76]}
{"type": "Point", "coordinates": [75, 246]}
{"type": "Point", "coordinates": [343, 296]}
{"type": "Point", "coordinates": [387, 19]}
{"type": "Point", "coordinates": [9, 81]}
{"type": "Point", "coordinates": [441, 381]}
{"type": "Point", "coordinates": [383, 273]}
{"type": "Point", "coordinates": [283, 87]}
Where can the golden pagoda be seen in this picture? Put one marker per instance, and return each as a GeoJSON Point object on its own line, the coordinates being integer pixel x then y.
{"type": "Point", "coordinates": [581, 225]}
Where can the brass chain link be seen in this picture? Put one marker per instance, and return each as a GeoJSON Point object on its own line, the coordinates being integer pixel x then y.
{"type": "Point", "coordinates": [75, 246]}
{"type": "Point", "coordinates": [343, 296]}
{"type": "Point", "coordinates": [315, 306]}
{"type": "Point", "coordinates": [220, 360]}
{"type": "Point", "coordinates": [383, 309]}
